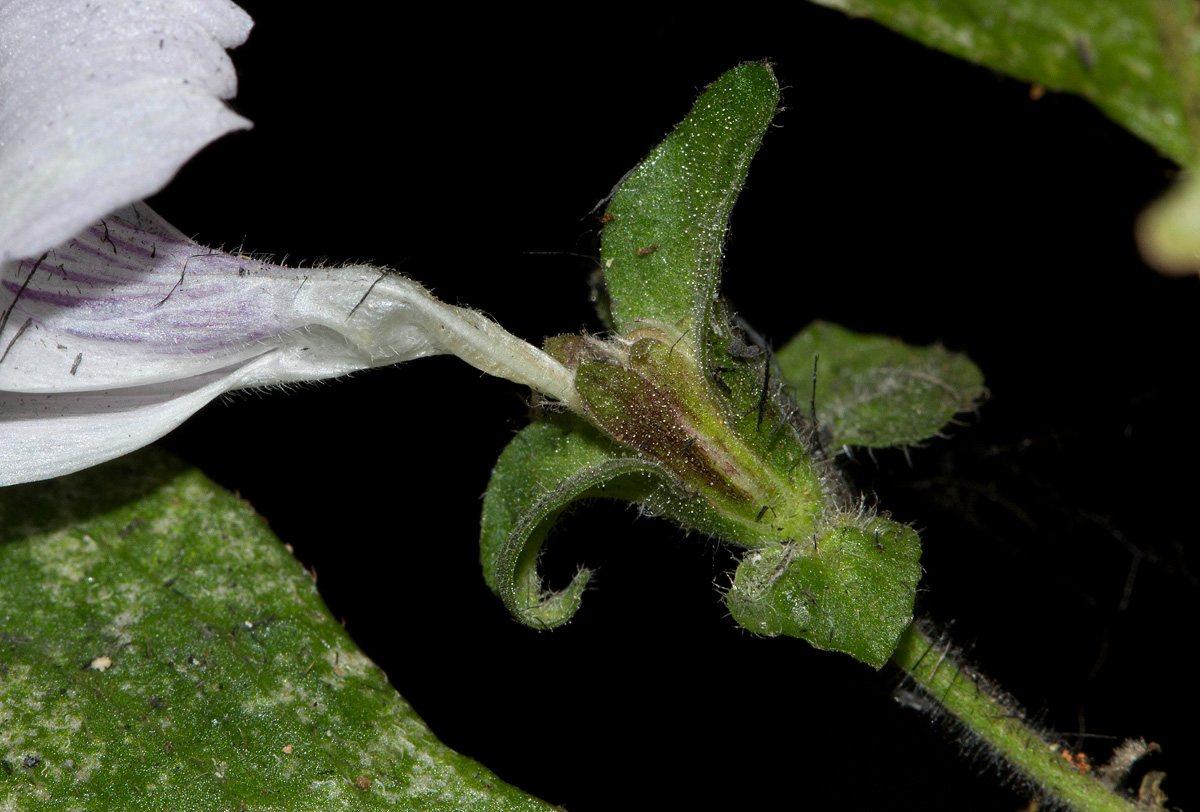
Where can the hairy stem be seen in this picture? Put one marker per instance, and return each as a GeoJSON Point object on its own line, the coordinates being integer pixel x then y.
{"type": "Point", "coordinates": [997, 721]}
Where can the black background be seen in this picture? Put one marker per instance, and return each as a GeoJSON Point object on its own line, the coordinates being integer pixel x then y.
{"type": "Point", "coordinates": [902, 192]}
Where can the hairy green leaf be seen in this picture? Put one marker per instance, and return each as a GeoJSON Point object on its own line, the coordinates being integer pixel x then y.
{"type": "Point", "coordinates": [877, 391]}
{"type": "Point", "coordinates": [665, 225]}
{"type": "Point", "coordinates": [1138, 61]}
{"type": "Point", "coordinates": [161, 650]}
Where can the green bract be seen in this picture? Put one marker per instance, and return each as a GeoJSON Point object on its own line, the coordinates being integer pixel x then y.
{"type": "Point", "coordinates": [665, 225]}
{"type": "Point", "coordinates": [850, 590]}
{"type": "Point", "coordinates": [681, 415]}
{"type": "Point", "coordinates": [876, 391]}
{"type": "Point", "coordinates": [161, 649]}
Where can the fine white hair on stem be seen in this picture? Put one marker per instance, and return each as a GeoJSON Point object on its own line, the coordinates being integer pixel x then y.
{"type": "Point", "coordinates": [117, 336]}
{"type": "Point", "coordinates": [102, 103]}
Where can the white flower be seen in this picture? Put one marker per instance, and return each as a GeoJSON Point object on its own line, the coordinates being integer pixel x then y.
{"type": "Point", "coordinates": [115, 327]}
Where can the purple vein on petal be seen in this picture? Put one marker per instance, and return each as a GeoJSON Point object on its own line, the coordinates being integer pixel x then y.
{"type": "Point", "coordinates": [181, 301]}
{"type": "Point", "coordinates": [145, 304]}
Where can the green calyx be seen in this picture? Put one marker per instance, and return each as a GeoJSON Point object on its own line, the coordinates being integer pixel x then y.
{"type": "Point", "coordinates": [677, 413]}
{"type": "Point", "coordinates": [647, 391]}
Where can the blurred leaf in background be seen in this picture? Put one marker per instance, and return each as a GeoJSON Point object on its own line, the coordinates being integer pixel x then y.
{"type": "Point", "coordinates": [1139, 62]}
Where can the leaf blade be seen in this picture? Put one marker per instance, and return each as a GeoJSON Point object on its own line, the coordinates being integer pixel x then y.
{"type": "Point", "coordinates": [163, 650]}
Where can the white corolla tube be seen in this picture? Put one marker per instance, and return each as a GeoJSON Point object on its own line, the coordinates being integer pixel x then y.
{"type": "Point", "coordinates": [114, 338]}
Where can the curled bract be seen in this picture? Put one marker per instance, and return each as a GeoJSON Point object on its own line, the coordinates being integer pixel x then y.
{"type": "Point", "coordinates": [549, 466]}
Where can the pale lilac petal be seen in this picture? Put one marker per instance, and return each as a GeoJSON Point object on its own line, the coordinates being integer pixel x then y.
{"type": "Point", "coordinates": [51, 435]}
{"type": "Point", "coordinates": [132, 302]}
{"type": "Point", "coordinates": [102, 102]}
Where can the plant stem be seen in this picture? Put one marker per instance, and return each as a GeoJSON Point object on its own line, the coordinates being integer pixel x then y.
{"type": "Point", "coordinates": [996, 720]}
